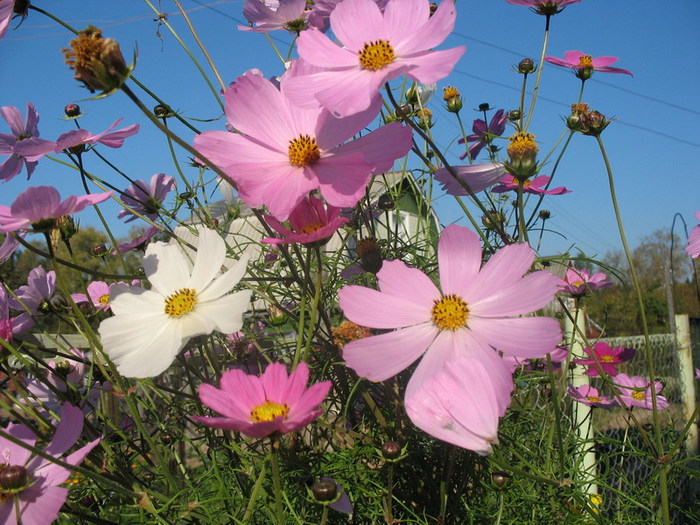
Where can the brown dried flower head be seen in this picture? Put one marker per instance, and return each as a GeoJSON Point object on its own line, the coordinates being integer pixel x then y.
{"type": "Point", "coordinates": [97, 61]}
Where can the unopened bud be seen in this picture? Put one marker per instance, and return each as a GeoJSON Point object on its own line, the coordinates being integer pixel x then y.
{"type": "Point", "coordinates": [514, 114]}
{"type": "Point", "coordinates": [452, 99]}
{"type": "Point", "coordinates": [13, 477]}
{"type": "Point", "coordinates": [391, 450]}
{"type": "Point", "coordinates": [545, 214]}
{"type": "Point", "coordinates": [385, 202]}
{"type": "Point", "coordinates": [324, 490]}
{"type": "Point", "coordinates": [425, 119]}
{"type": "Point", "coordinates": [67, 226]}
{"type": "Point", "coordinates": [99, 250]}
{"type": "Point", "coordinates": [72, 110]}
{"type": "Point", "coordinates": [593, 123]}
{"type": "Point", "coordinates": [21, 7]}
{"type": "Point", "coordinates": [433, 8]}
{"type": "Point", "coordinates": [63, 368]}
{"type": "Point", "coordinates": [500, 479]}
{"type": "Point", "coordinates": [185, 195]}
{"type": "Point", "coordinates": [522, 153]}
{"type": "Point", "coordinates": [526, 66]}
{"type": "Point", "coordinates": [484, 107]}
{"type": "Point", "coordinates": [162, 111]}
{"type": "Point", "coordinates": [370, 255]}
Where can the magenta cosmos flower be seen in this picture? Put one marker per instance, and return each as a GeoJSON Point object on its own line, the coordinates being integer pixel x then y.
{"type": "Point", "coordinates": [544, 7]}
{"type": "Point", "coordinates": [146, 198]}
{"type": "Point", "coordinates": [535, 186]}
{"type": "Point", "coordinates": [590, 396]}
{"type": "Point", "coordinates": [483, 134]}
{"type": "Point", "coordinates": [376, 47]}
{"type": "Point", "coordinates": [477, 177]}
{"type": "Point", "coordinates": [40, 204]}
{"type": "Point", "coordinates": [636, 392]}
{"type": "Point", "coordinates": [23, 146]}
{"type": "Point", "coordinates": [38, 497]}
{"type": "Point", "coordinates": [580, 61]}
{"type": "Point", "coordinates": [474, 311]}
{"type": "Point", "coordinates": [605, 357]}
{"type": "Point", "coordinates": [578, 283]}
{"type": "Point", "coordinates": [693, 248]}
{"type": "Point", "coordinates": [79, 138]}
{"type": "Point", "coordinates": [260, 406]}
{"type": "Point", "coordinates": [312, 222]}
{"type": "Point", "coordinates": [283, 152]}
{"type": "Point", "coordinates": [459, 406]}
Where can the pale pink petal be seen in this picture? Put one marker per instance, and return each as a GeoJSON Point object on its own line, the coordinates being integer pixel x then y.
{"type": "Point", "coordinates": [248, 389]}
{"type": "Point", "coordinates": [433, 66]}
{"type": "Point", "coordinates": [67, 432]}
{"type": "Point", "coordinates": [274, 381]}
{"type": "Point", "coordinates": [315, 47]}
{"type": "Point", "coordinates": [345, 26]}
{"type": "Point", "coordinates": [531, 337]}
{"type": "Point", "coordinates": [573, 57]}
{"type": "Point", "coordinates": [342, 179]}
{"type": "Point", "coordinates": [375, 309]}
{"type": "Point", "coordinates": [309, 399]}
{"type": "Point", "coordinates": [42, 505]}
{"type": "Point", "coordinates": [459, 258]}
{"type": "Point", "coordinates": [222, 402]}
{"type": "Point", "coordinates": [292, 389]}
{"type": "Point", "coordinates": [604, 61]}
{"type": "Point", "coordinates": [383, 356]}
{"type": "Point", "coordinates": [393, 278]}
{"type": "Point", "coordinates": [431, 33]}
{"type": "Point", "coordinates": [403, 19]}
{"type": "Point", "coordinates": [532, 292]}
{"type": "Point", "coordinates": [506, 266]}
{"type": "Point", "coordinates": [382, 146]}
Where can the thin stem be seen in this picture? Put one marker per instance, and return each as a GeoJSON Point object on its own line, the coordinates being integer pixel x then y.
{"type": "Point", "coordinates": [276, 482]}
{"type": "Point", "coordinates": [539, 73]}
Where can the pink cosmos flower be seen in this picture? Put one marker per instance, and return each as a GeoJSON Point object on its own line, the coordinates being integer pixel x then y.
{"type": "Point", "coordinates": [535, 186]}
{"type": "Point", "coordinates": [39, 288]}
{"type": "Point", "coordinates": [474, 312]}
{"type": "Point", "coordinates": [483, 134]}
{"type": "Point", "coordinates": [146, 198]}
{"type": "Point", "coordinates": [290, 15]}
{"type": "Point", "coordinates": [693, 248]}
{"type": "Point", "coordinates": [79, 138]}
{"type": "Point", "coordinates": [477, 177]}
{"type": "Point", "coordinates": [138, 242]}
{"type": "Point", "coordinates": [8, 247]}
{"type": "Point", "coordinates": [260, 406]}
{"type": "Point", "coordinates": [23, 146]}
{"type": "Point", "coordinates": [458, 405]}
{"type": "Point", "coordinates": [284, 152]}
{"type": "Point", "coordinates": [578, 283]}
{"type": "Point", "coordinates": [601, 355]}
{"type": "Point", "coordinates": [39, 497]}
{"type": "Point", "coordinates": [98, 292]}
{"type": "Point", "coordinates": [39, 204]}
{"type": "Point", "coordinates": [590, 396]}
{"type": "Point", "coordinates": [636, 392]}
{"type": "Point", "coordinates": [580, 61]}
{"type": "Point", "coordinates": [312, 223]}
{"type": "Point", "coordinates": [9, 326]}
{"type": "Point", "coordinates": [376, 47]}
{"type": "Point", "coordinates": [544, 7]}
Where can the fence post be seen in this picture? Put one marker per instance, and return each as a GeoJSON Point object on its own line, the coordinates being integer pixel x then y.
{"type": "Point", "coordinates": [686, 377]}
{"type": "Point", "coordinates": [583, 413]}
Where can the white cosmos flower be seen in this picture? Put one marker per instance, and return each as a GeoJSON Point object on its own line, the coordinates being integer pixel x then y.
{"type": "Point", "coordinates": [150, 327]}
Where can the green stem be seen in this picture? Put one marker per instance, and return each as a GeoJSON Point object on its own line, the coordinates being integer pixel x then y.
{"type": "Point", "coordinates": [539, 73]}
{"type": "Point", "coordinates": [663, 481]}
{"type": "Point", "coordinates": [276, 482]}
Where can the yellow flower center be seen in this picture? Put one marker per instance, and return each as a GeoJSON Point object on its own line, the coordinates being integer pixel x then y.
{"type": "Point", "coordinates": [522, 144]}
{"type": "Point", "coordinates": [577, 284]}
{"type": "Point", "coordinates": [103, 300]}
{"type": "Point", "coordinates": [607, 358]}
{"type": "Point", "coordinates": [375, 55]}
{"type": "Point", "coordinates": [181, 302]}
{"type": "Point", "coordinates": [579, 107]}
{"type": "Point", "coordinates": [310, 228]}
{"type": "Point", "coordinates": [303, 151]}
{"type": "Point", "coordinates": [594, 399]}
{"type": "Point", "coordinates": [268, 411]}
{"type": "Point", "coordinates": [450, 313]}
{"type": "Point", "coordinates": [639, 396]}
{"type": "Point", "coordinates": [586, 61]}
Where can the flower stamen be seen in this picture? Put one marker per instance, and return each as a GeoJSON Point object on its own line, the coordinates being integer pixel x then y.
{"type": "Point", "coordinates": [181, 302]}
{"type": "Point", "coordinates": [586, 61]}
{"type": "Point", "coordinates": [375, 55]}
{"type": "Point", "coordinates": [268, 411]}
{"type": "Point", "coordinates": [303, 151]}
{"type": "Point", "coordinates": [450, 313]}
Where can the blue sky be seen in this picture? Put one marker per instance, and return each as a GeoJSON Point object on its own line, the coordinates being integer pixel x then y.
{"type": "Point", "coordinates": [653, 145]}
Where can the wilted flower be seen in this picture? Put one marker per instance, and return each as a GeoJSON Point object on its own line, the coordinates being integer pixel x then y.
{"type": "Point", "coordinates": [601, 354]}
{"type": "Point", "coordinates": [23, 146]}
{"type": "Point", "coordinates": [31, 485]}
{"type": "Point", "coordinates": [636, 392]}
{"type": "Point", "coordinates": [260, 406]}
{"type": "Point", "coordinates": [98, 62]}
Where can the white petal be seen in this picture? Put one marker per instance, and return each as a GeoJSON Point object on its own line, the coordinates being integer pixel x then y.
{"type": "Point", "coordinates": [211, 252]}
{"type": "Point", "coordinates": [167, 267]}
{"type": "Point", "coordinates": [223, 284]}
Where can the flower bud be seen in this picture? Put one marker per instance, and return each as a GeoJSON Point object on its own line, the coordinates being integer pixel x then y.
{"type": "Point", "coordinates": [501, 479]}
{"type": "Point", "coordinates": [433, 8]}
{"type": "Point", "coordinates": [324, 490]}
{"type": "Point", "coordinates": [162, 111]}
{"type": "Point", "coordinates": [545, 214]}
{"type": "Point", "coordinates": [99, 250]}
{"type": "Point", "coordinates": [593, 123]}
{"type": "Point", "coordinates": [185, 195]}
{"type": "Point", "coordinates": [484, 106]}
{"type": "Point", "coordinates": [425, 119]}
{"type": "Point", "coordinates": [514, 114]}
{"type": "Point", "coordinates": [72, 110]}
{"type": "Point", "coordinates": [13, 477]}
{"type": "Point", "coordinates": [21, 7]}
{"type": "Point", "coordinates": [452, 98]}
{"type": "Point", "coordinates": [370, 255]}
{"type": "Point", "coordinates": [526, 66]}
{"type": "Point", "coordinates": [522, 154]}
{"type": "Point", "coordinates": [98, 62]}
{"type": "Point", "coordinates": [67, 226]}
{"type": "Point", "coordinates": [493, 220]}
{"type": "Point", "coordinates": [391, 450]}
{"type": "Point", "coordinates": [385, 202]}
